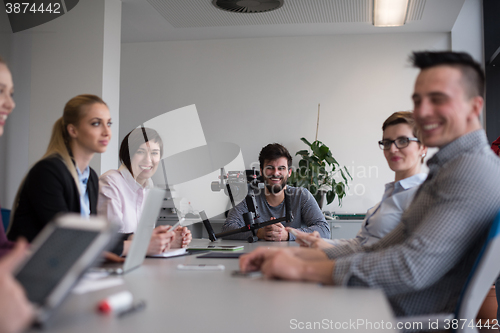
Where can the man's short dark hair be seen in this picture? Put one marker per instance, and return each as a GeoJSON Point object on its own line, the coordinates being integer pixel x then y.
{"type": "Point", "coordinates": [471, 70]}
{"type": "Point", "coordinates": [272, 152]}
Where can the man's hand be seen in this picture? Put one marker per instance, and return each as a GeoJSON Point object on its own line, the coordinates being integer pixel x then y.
{"type": "Point", "coordinates": [15, 310]}
{"type": "Point", "coordinates": [312, 240]}
{"type": "Point", "coordinates": [274, 232]}
{"type": "Point", "coordinates": [274, 263]}
{"type": "Point", "coordinates": [253, 261]}
{"type": "Point", "coordinates": [286, 264]}
{"type": "Point", "coordinates": [283, 264]}
{"type": "Point", "coordinates": [182, 237]}
{"type": "Point", "coordinates": [161, 239]}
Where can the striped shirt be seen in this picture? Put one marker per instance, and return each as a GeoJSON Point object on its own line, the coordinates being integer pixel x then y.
{"type": "Point", "coordinates": [422, 265]}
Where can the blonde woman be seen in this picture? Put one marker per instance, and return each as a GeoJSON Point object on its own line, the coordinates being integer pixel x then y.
{"type": "Point", "coordinates": [62, 180]}
{"type": "Point", "coordinates": [6, 106]}
{"type": "Point", "coordinates": [15, 310]}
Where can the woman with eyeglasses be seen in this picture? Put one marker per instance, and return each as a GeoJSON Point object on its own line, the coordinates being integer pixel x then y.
{"type": "Point", "coordinates": [404, 154]}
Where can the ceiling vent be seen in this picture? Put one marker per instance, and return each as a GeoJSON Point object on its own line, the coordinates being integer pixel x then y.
{"type": "Point", "coordinates": [248, 6]}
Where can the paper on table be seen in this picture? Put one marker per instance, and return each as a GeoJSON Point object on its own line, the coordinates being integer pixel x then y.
{"type": "Point", "coordinates": [169, 253]}
{"type": "Point", "coordinates": [96, 281]}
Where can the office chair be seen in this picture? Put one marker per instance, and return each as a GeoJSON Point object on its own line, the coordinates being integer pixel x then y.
{"type": "Point", "coordinates": [482, 276]}
{"type": "Point", "coordinates": [5, 218]}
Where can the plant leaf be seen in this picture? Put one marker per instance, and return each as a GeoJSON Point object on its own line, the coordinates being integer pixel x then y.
{"type": "Point", "coordinates": [330, 196]}
{"type": "Point", "coordinates": [317, 196]}
{"type": "Point", "coordinates": [316, 161]}
{"type": "Point", "coordinates": [340, 190]}
{"type": "Point", "coordinates": [305, 141]}
{"type": "Point", "coordinates": [347, 172]}
{"type": "Point", "coordinates": [315, 148]}
{"type": "Point", "coordinates": [303, 163]}
{"type": "Point", "coordinates": [343, 176]}
{"type": "Point", "coordinates": [323, 152]}
{"type": "Point", "coordinates": [313, 189]}
{"type": "Point", "coordinates": [303, 152]}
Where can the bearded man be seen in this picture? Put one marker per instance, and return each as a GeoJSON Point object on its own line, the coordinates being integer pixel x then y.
{"type": "Point", "coordinates": [275, 168]}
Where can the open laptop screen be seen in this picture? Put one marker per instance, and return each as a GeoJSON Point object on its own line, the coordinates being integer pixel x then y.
{"type": "Point", "coordinates": [52, 261]}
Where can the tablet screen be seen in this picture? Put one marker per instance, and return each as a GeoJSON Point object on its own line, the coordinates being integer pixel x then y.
{"type": "Point", "coordinates": [46, 268]}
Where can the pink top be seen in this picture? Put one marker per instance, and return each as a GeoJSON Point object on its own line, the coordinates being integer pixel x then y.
{"type": "Point", "coordinates": [121, 198]}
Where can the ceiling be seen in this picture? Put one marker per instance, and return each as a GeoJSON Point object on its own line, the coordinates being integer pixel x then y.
{"type": "Point", "coordinates": [168, 20]}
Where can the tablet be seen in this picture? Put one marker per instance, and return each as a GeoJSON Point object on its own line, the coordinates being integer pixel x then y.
{"type": "Point", "coordinates": [61, 253]}
{"type": "Point", "coordinates": [216, 248]}
{"type": "Point", "coordinates": [222, 255]}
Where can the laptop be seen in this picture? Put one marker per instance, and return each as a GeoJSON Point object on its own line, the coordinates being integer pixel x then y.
{"type": "Point", "coordinates": [62, 252]}
{"type": "Point", "coordinates": [140, 242]}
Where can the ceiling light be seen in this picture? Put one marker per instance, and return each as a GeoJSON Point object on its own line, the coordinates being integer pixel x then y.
{"type": "Point", "coordinates": [389, 13]}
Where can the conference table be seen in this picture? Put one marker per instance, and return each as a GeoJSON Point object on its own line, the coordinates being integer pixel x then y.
{"type": "Point", "coordinates": [215, 301]}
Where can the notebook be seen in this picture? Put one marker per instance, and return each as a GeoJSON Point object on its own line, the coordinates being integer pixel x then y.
{"type": "Point", "coordinates": [170, 253]}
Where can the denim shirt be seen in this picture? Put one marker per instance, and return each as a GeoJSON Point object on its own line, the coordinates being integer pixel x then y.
{"type": "Point", "coordinates": [382, 218]}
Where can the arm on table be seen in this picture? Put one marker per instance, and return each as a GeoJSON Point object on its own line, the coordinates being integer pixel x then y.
{"type": "Point", "coordinates": [289, 264]}
{"type": "Point", "coordinates": [447, 233]}
{"type": "Point", "coordinates": [313, 217]}
{"type": "Point", "coordinates": [15, 310]}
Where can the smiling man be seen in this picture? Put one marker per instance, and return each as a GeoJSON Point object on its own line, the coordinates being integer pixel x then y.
{"type": "Point", "coordinates": [423, 264]}
{"type": "Point", "coordinates": [275, 167]}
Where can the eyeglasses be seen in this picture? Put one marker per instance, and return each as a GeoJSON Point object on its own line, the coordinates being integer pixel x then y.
{"type": "Point", "coordinates": [401, 142]}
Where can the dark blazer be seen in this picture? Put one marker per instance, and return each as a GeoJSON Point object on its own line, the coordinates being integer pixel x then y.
{"type": "Point", "coordinates": [49, 189]}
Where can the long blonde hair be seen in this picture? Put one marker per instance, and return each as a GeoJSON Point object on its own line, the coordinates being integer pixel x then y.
{"type": "Point", "coordinates": [59, 144]}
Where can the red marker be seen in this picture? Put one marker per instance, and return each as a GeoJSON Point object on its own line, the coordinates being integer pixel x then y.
{"type": "Point", "coordinates": [116, 303]}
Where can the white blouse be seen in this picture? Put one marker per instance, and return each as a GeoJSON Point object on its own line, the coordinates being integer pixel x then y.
{"type": "Point", "coordinates": [386, 215]}
{"type": "Point", "coordinates": [121, 198]}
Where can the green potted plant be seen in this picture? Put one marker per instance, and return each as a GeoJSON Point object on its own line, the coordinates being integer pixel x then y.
{"type": "Point", "coordinates": [320, 172]}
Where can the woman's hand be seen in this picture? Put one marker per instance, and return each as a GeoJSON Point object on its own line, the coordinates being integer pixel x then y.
{"type": "Point", "coordinates": [161, 239]}
{"type": "Point", "coordinates": [112, 257]}
{"type": "Point", "coordinates": [182, 237]}
{"type": "Point", "coordinates": [16, 312]}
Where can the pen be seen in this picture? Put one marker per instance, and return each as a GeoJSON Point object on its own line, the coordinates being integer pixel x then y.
{"type": "Point", "coordinates": [134, 308]}
{"type": "Point", "coordinates": [178, 223]}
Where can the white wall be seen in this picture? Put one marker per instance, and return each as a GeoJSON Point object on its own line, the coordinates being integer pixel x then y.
{"type": "Point", "coordinates": [255, 91]}
{"type": "Point", "coordinates": [467, 33]}
{"type": "Point", "coordinates": [52, 63]}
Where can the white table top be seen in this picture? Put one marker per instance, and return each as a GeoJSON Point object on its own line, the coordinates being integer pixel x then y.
{"type": "Point", "coordinates": [214, 301]}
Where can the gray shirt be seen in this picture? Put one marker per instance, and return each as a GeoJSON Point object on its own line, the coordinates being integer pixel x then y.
{"type": "Point", "coordinates": [307, 216]}
{"type": "Point", "coordinates": [422, 265]}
